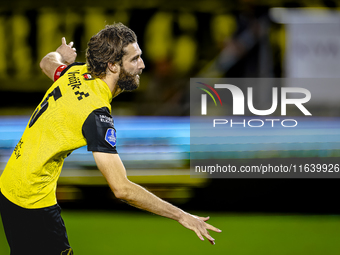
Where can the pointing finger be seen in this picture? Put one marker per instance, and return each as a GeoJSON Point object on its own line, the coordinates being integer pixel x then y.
{"type": "Point", "coordinates": [70, 44]}
{"type": "Point", "coordinates": [210, 227]}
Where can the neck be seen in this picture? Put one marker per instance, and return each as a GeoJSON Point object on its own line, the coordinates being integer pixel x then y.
{"type": "Point", "coordinates": [111, 82]}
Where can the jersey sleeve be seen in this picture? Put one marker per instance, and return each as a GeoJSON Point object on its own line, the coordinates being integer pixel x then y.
{"type": "Point", "coordinates": [99, 131]}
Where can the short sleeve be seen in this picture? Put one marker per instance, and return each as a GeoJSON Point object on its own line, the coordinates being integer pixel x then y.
{"type": "Point", "coordinates": [99, 131]}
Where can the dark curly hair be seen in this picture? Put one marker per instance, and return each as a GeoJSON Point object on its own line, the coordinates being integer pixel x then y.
{"type": "Point", "coordinates": [107, 46]}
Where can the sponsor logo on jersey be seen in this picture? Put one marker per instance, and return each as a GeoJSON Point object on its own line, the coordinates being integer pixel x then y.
{"type": "Point", "coordinates": [110, 136]}
{"type": "Point", "coordinates": [106, 119]}
{"type": "Point", "coordinates": [73, 80]}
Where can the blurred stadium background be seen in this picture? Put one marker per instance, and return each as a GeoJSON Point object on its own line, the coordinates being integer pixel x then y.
{"type": "Point", "coordinates": [183, 39]}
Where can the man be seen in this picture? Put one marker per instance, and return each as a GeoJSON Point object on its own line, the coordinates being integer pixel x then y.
{"type": "Point", "coordinates": [75, 112]}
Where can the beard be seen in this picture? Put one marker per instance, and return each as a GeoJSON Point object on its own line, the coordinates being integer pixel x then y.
{"type": "Point", "coordinates": [127, 81]}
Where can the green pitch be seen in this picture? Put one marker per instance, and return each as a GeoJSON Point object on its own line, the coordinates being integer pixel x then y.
{"type": "Point", "coordinates": [142, 233]}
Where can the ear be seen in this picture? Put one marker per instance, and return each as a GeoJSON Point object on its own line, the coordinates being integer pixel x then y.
{"type": "Point", "coordinates": [113, 67]}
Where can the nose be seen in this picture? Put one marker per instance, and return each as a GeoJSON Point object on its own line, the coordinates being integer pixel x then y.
{"type": "Point", "coordinates": [141, 64]}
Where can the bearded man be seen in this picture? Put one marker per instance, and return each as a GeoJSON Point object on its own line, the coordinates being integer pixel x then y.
{"type": "Point", "coordinates": [75, 112]}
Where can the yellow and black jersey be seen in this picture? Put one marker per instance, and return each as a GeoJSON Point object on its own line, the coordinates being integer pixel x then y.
{"type": "Point", "coordinates": [75, 112]}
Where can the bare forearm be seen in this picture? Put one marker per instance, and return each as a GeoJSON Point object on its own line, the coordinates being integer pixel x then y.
{"type": "Point", "coordinates": [50, 62]}
{"type": "Point", "coordinates": [64, 55]}
{"type": "Point", "coordinates": [139, 197]}
{"type": "Point", "coordinates": [114, 171]}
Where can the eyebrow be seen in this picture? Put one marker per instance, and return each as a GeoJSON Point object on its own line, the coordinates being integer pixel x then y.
{"type": "Point", "coordinates": [137, 56]}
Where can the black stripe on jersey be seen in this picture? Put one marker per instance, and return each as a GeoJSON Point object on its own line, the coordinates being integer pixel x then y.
{"type": "Point", "coordinates": [69, 66]}
{"type": "Point", "coordinates": [99, 131]}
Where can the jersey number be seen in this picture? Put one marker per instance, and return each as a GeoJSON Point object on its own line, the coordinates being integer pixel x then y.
{"type": "Point", "coordinates": [56, 93]}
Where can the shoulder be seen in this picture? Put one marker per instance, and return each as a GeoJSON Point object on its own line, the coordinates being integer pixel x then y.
{"type": "Point", "coordinates": [84, 90]}
{"type": "Point", "coordinates": [73, 66]}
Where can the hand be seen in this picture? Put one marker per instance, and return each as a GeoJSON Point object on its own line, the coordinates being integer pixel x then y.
{"type": "Point", "coordinates": [198, 225]}
{"type": "Point", "coordinates": [66, 51]}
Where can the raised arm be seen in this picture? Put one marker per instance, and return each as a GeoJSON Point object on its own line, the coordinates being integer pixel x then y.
{"type": "Point", "coordinates": [64, 55]}
{"type": "Point", "coordinates": [114, 171]}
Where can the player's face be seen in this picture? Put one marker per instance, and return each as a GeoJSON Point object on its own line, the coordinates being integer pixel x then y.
{"type": "Point", "coordinates": [131, 68]}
